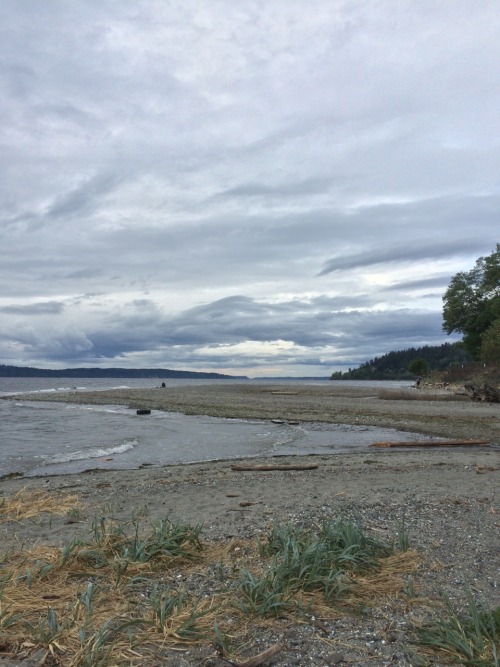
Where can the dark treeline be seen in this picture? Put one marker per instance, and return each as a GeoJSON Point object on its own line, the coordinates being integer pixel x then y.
{"type": "Point", "coordinates": [27, 371]}
{"type": "Point", "coordinates": [394, 365]}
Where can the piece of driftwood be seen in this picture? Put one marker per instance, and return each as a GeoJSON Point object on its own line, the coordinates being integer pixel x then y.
{"type": "Point", "coordinates": [279, 466]}
{"type": "Point", "coordinates": [258, 659]}
{"type": "Point", "coordinates": [431, 443]}
{"type": "Point", "coordinates": [485, 392]}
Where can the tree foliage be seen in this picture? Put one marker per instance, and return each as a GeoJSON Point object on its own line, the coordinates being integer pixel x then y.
{"type": "Point", "coordinates": [490, 347]}
{"type": "Point", "coordinates": [471, 305]}
{"type": "Point", "coordinates": [418, 366]}
{"type": "Point", "coordinates": [395, 365]}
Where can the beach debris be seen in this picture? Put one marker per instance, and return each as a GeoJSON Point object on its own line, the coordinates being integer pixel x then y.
{"type": "Point", "coordinates": [143, 411]}
{"type": "Point", "coordinates": [485, 392]}
{"type": "Point", "coordinates": [275, 466]}
{"type": "Point", "coordinates": [278, 421]}
{"type": "Point", "coordinates": [431, 443]}
{"type": "Point", "coordinates": [481, 469]}
{"type": "Point", "coordinates": [257, 660]}
{"type": "Point", "coordinates": [11, 475]}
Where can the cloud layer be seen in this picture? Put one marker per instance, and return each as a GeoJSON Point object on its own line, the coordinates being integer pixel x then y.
{"type": "Point", "coordinates": [261, 188]}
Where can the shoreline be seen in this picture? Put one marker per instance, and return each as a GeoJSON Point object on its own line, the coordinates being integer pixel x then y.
{"type": "Point", "coordinates": [435, 412]}
{"type": "Point", "coordinates": [447, 500]}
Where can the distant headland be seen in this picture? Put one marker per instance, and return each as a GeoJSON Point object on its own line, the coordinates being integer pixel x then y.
{"type": "Point", "coordinates": [161, 373]}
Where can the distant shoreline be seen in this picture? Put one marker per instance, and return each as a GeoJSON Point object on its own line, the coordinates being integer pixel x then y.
{"type": "Point", "coordinates": [152, 373]}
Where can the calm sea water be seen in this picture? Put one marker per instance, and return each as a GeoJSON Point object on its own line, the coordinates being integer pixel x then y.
{"type": "Point", "coordinates": [51, 438]}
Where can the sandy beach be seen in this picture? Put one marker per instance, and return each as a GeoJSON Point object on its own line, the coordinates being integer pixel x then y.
{"type": "Point", "coordinates": [448, 500]}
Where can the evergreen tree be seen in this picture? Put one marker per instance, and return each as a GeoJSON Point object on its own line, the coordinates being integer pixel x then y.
{"type": "Point", "coordinates": [472, 305]}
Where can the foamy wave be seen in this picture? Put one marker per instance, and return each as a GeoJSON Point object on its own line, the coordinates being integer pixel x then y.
{"type": "Point", "coordinates": [50, 390]}
{"type": "Point", "coordinates": [96, 453]}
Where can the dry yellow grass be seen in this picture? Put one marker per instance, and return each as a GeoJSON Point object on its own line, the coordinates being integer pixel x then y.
{"type": "Point", "coordinates": [86, 614]}
{"type": "Point", "coordinates": [27, 504]}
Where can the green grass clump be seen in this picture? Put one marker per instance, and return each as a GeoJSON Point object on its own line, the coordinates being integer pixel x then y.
{"type": "Point", "coordinates": [124, 592]}
{"type": "Point", "coordinates": [471, 638]}
{"type": "Point", "coordinates": [165, 539]}
{"type": "Point", "coordinates": [308, 561]}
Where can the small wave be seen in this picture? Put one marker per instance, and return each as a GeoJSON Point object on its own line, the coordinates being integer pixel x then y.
{"type": "Point", "coordinates": [96, 453]}
{"type": "Point", "coordinates": [51, 390]}
{"type": "Point", "coordinates": [118, 386]}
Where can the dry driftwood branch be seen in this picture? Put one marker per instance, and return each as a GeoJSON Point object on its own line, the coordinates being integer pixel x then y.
{"type": "Point", "coordinates": [431, 443]}
{"type": "Point", "coordinates": [279, 466]}
{"type": "Point", "coordinates": [261, 658]}
{"type": "Point", "coordinates": [485, 392]}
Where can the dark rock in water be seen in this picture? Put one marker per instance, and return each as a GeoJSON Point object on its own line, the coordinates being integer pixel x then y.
{"type": "Point", "coordinates": [143, 411]}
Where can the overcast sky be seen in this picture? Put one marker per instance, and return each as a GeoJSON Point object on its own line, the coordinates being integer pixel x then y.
{"type": "Point", "coordinates": [266, 187]}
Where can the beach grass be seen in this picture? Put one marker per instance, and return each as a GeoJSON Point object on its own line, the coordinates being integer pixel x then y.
{"type": "Point", "coordinates": [27, 504]}
{"type": "Point", "coordinates": [110, 588]}
{"type": "Point", "coordinates": [470, 637]}
{"type": "Point", "coordinates": [131, 590]}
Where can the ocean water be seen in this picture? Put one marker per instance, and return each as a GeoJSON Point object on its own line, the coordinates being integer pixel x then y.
{"type": "Point", "coordinates": [50, 438]}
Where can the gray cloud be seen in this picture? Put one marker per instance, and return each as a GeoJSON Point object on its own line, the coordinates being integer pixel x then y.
{"type": "Point", "coordinates": [240, 331]}
{"type": "Point", "coordinates": [41, 308]}
{"type": "Point", "coordinates": [402, 253]}
{"type": "Point", "coordinates": [269, 187]}
{"type": "Point", "coordinates": [440, 282]}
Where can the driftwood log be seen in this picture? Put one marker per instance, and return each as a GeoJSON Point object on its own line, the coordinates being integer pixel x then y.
{"type": "Point", "coordinates": [279, 466]}
{"type": "Point", "coordinates": [431, 443]}
{"type": "Point", "coordinates": [485, 392]}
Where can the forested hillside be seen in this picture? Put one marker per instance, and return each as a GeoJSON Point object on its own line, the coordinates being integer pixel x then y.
{"type": "Point", "coordinates": [26, 371]}
{"type": "Point", "coordinates": [394, 365]}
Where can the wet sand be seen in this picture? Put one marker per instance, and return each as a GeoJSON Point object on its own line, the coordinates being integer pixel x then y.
{"type": "Point", "coordinates": [439, 412]}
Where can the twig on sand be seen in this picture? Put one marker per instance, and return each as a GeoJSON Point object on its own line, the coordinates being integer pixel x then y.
{"type": "Point", "coordinates": [257, 659]}
{"type": "Point", "coordinates": [431, 443]}
{"type": "Point", "coordinates": [279, 466]}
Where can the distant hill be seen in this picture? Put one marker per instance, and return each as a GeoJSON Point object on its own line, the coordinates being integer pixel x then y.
{"type": "Point", "coordinates": [394, 365]}
{"type": "Point", "coordinates": [280, 378]}
{"type": "Point", "coordinates": [161, 373]}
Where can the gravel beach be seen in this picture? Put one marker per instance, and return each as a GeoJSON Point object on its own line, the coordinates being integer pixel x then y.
{"type": "Point", "coordinates": [448, 500]}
